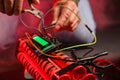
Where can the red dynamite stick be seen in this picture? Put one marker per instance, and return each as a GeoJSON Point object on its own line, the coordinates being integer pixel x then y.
{"type": "Point", "coordinates": [44, 64]}
{"type": "Point", "coordinates": [65, 77]}
{"type": "Point", "coordinates": [23, 46]}
{"type": "Point", "coordinates": [62, 63]}
{"type": "Point", "coordinates": [89, 76]}
{"type": "Point", "coordinates": [77, 73]}
{"type": "Point", "coordinates": [32, 67]}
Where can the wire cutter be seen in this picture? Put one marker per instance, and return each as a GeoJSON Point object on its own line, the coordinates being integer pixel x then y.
{"type": "Point", "coordinates": [37, 13]}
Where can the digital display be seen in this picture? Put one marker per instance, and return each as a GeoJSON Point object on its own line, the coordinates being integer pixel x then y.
{"type": "Point", "coordinates": [40, 40]}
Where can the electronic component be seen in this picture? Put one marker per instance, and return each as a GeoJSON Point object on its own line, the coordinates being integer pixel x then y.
{"type": "Point", "coordinates": [42, 45]}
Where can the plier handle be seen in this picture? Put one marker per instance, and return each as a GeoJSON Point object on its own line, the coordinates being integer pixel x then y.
{"type": "Point", "coordinates": [37, 13]}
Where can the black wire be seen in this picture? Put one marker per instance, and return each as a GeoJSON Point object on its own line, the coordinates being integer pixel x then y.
{"type": "Point", "coordinates": [91, 49]}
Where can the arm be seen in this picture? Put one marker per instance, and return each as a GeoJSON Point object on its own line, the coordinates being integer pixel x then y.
{"type": "Point", "coordinates": [12, 7]}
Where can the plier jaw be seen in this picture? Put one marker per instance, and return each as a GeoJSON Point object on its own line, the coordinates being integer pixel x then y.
{"type": "Point", "coordinates": [37, 13]}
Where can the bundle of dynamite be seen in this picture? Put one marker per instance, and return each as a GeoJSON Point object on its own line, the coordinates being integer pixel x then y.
{"type": "Point", "coordinates": [44, 57]}
{"type": "Point", "coordinates": [50, 66]}
{"type": "Point", "coordinates": [39, 57]}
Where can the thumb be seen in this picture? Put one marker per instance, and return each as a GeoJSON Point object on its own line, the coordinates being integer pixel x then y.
{"type": "Point", "coordinates": [56, 12]}
{"type": "Point", "coordinates": [36, 1]}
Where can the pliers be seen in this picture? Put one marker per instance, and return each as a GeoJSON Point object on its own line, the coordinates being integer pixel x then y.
{"type": "Point", "coordinates": [37, 13]}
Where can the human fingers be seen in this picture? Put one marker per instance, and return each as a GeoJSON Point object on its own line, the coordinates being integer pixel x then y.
{"type": "Point", "coordinates": [74, 25]}
{"type": "Point", "coordinates": [71, 26]}
{"type": "Point", "coordinates": [56, 12]}
{"type": "Point", "coordinates": [74, 16]}
{"type": "Point", "coordinates": [2, 6]}
{"type": "Point", "coordinates": [68, 16]}
{"type": "Point", "coordinates": [17, 7]}
{"type": "Point", "coordinates": [8, 6]}
{"type": "Point", "coordinates": [64, 14]}
{"type": "Point", "coordinates": [72, 20]}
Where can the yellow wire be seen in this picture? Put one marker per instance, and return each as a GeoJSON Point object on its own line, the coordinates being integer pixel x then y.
{"type": "Point", "coordinates": [79, 45]}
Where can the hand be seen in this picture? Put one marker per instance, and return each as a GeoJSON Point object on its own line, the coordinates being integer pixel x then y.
{"type": "Point", "coordinates": [64, 18]}
{"type": "Point", "coordinates": [12, 7]}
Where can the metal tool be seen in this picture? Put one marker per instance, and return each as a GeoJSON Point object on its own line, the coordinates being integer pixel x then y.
{"type": "Point", "coordinates": [37, 13]}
